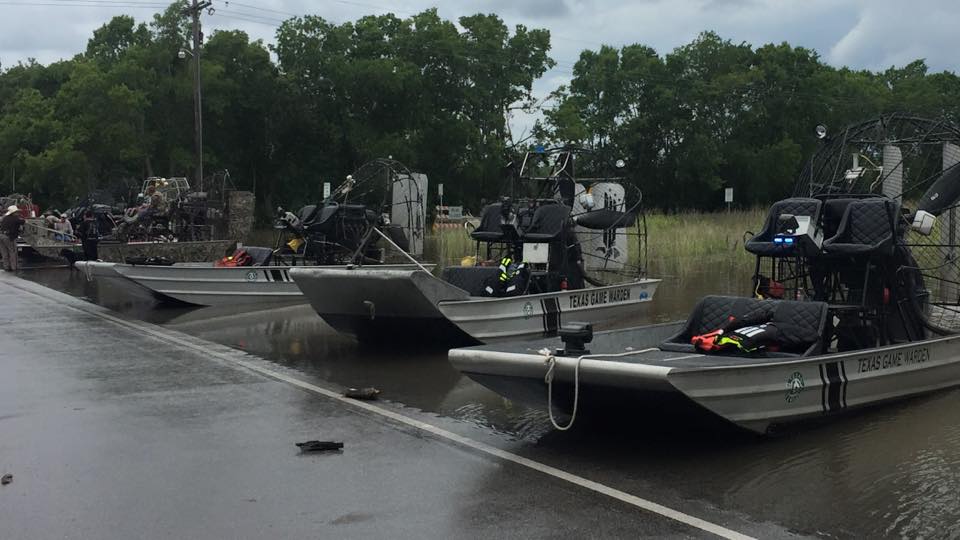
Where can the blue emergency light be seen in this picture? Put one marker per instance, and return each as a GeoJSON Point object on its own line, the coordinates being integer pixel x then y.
{"type": "Point", "coordinates": [783, 240]}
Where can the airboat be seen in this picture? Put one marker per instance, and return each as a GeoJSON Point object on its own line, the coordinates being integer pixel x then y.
{"type": "Point", "coordinates": [328, 235]}
{"type": "Point", "coordinates": [194, 223]}
{"type": "Point", "coordinates": [558, 255]}
{"type": "Point", "coordinates": [856, 302]}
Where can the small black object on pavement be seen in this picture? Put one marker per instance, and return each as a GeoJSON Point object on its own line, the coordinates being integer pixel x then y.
{"type": "Point", "coordinates": [362, 393]}
{"type": "Point", "coordinates": [319, 446]}
{"type": "Point", "coordinates": [6, 479]}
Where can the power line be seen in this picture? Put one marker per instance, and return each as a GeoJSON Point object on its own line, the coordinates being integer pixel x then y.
{"type": "Point", "coordinates": [230, 3]}
{"type": "Point", "coordinates": [87, 3]}
{"type": "Point", "coordinates": [275, 23]}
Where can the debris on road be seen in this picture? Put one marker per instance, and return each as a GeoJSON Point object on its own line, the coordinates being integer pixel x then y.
{"type": "Point", "coordinates": [6, 479]}
{"type": "Point", "coordinates": [367, 393]}
{"type": "Point", "coordinates": [319, 446]}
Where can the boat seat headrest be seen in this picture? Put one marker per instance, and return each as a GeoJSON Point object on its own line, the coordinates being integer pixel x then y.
{"type": "Point", "coordinates": [833, 210]}
{"type": "Point", "coordinates": [548, 223]}
{"type": "Point", "coordinates": [868, 227]}
{"type": "Point", "coordinates": [490, 228]}
{"type": "Point", "coordinates": [307, 214]}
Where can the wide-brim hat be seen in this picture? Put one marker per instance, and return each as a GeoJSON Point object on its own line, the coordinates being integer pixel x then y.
{"type": "Point", "coordinates": [11, 209]}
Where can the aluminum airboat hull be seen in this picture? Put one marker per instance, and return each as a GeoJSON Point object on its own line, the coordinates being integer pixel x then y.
{"type": "Point", "coordinates": [206, 250]}
{"type": "Point", "coordinates": [377, 305]}
{"type": "Point", "coordinates": [753, 393]}
{"type": "Point", "coordinates": [203, 284]}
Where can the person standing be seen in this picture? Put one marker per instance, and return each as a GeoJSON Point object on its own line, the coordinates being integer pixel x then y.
{"type": "Point", "coordinates": [89, 234]}
{"type": "Point", "coordinates": [11, 225]}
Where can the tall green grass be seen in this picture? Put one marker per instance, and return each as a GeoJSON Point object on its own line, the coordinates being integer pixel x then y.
{"type": "Point", "coordinates": [680, 244]}
{"type": "Point", "coordinates": [689, 243]}
{"type": "Point", "coordinates": [446, 247]}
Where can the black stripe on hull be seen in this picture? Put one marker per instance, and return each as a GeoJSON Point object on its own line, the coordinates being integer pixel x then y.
{"type": "Point", "coordinates": [823, 389]}
{"type": "Point", "coordinates": [833, 392]}
{"type": "Point", "coordinates": [551, 316]}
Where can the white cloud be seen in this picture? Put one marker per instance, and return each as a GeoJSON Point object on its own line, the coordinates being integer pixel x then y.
{"type": "Point", "coordinates": [891, 33]}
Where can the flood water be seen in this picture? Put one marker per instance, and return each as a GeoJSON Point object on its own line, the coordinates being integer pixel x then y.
{"type": "Point", "coordinates": [891, 471]}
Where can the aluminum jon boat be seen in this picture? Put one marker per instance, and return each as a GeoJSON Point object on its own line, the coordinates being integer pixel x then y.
{"type": "Point", "coordinates": [855, 303]}
{"type": "Point", "coordinates": [651, 369]}
{"type": "Point", "coordinates": [203, 284]}
{"type": "Point", "coordinates": [411, 305]}
{"type": "Point", "coordinates": [538, 261]}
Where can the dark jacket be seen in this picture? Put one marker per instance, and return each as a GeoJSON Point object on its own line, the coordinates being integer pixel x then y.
{"type": "Point", "coordinates": [12, 225]}
{"type": "Point", "coordinates": [88, 230]}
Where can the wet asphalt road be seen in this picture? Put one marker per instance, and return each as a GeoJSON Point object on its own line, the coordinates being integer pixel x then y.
{"type": "Point", "coordinates": [892, 471]}
{"type": "Point", "coordinates": [124, 430]}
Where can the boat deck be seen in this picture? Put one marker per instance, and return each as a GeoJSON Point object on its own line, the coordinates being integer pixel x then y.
{"type": "Point", "coordinates": [622, 343]}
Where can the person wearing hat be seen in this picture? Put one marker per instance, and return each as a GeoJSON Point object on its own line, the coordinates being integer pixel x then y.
{"type": "Point", "coordinates": [11, 225]}
{"type": "Point", "coordinates": [63, 228]}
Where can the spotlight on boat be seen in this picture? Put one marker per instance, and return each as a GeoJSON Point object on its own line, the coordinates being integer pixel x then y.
{"type": "Point", "coordinates": [821, 131]}
{"type": "Point", "coordinates": [787, 224]}
{"type": "Point", "coordinates": [923, 222]}
{"type": "Point", "coordinates": [586, 200]}
{"type": "Point", "coordinates": [853, 174]}
{"type": "Point", "coordinates": [620, 164]}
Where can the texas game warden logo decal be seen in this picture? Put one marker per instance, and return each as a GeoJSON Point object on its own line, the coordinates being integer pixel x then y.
{"type": "Point", "coordinates": [252, 275]}
{"type": "Point", "coordinates": [794, 386]}
{"type": "Point", "coordinates": [527, 309]}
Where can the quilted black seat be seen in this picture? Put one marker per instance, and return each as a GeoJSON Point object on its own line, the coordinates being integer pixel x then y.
{"type": "Point", "coordinates": [307, 214]}
{"type": "Point", "coordinates": [762, 244]}
{"type": "Point", "coordinates": [832, 215]}
{"type": "Point", "coordinates": [261, 255]}
{"type": "Point", "coordinates": [549, 221]}
{"type": "Point", "coordinates": [868, 227]}
{"type": "Point", "coordinates": [713, 311]}
{"type": "Point", "coordinates": [470, 278]}
{"type": "Point", "coordinates": [490, 228]}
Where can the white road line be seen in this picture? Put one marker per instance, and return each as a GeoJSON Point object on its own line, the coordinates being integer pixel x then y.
{"type": "Point", "coordinates": [650, 506]}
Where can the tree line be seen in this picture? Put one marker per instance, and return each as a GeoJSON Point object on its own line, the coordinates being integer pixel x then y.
{"type": "Point", "coordinates": [436, 95]}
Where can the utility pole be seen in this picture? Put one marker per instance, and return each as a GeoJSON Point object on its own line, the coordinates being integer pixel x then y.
{"type": "Point", "coordinates": [194, 11]}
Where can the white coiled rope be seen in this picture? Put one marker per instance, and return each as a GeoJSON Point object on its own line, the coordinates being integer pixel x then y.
{"type": "Point", "coordinates": [551, 362]}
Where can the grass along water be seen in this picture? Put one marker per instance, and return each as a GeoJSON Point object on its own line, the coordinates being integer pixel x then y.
{"type": "Point", "coordinates": [678, 245]}
{"type": "Point", "coordinates": [690, 242]}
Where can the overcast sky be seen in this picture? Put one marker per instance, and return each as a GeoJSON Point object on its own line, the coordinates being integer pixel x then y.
{"type": "Point", "coordinates": [873, 34]}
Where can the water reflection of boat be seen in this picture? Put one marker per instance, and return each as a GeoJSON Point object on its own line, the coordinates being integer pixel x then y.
{"type": "Point", "coordinates": [538, 262]}
{"type": "Point", "coordinates": [859, 307]}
